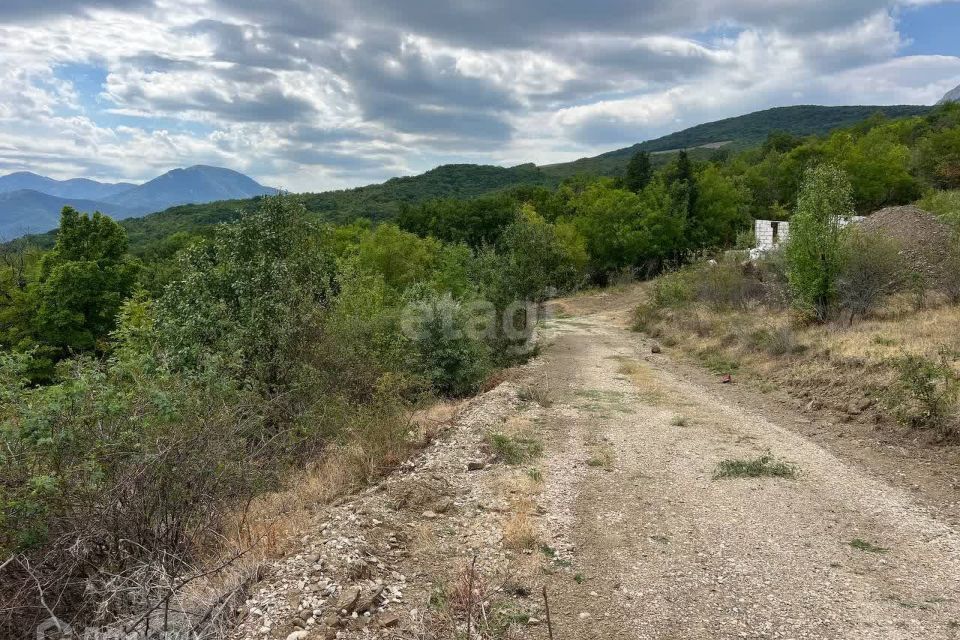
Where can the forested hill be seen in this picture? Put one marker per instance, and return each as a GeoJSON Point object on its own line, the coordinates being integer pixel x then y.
{"type": "Point", "coordinates": [736, 134]}
{"type": "Point", "coordinates": [379, 201]}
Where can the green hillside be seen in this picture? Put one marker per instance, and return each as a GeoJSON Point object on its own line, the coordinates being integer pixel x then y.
{"type": "Point", "coordinates": [379, 201]}
{"type": "Point", "coordinates": [735, 134]}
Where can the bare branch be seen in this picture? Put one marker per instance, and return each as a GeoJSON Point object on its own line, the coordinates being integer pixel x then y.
{"type": "Point", "coordinates": [25, 563]}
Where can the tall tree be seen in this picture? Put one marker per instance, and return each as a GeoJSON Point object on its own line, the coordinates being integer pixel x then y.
{"type": "Point", "coordinates": [681, 182]}
{"type": "Point", "coordinates": [815, 248]}
{"type": "Point", "coordinates": [639, 172]}
{"type": "Point", "coordinates": [82, 282]}
{"type": "Point", "coordinates": [246, 299]}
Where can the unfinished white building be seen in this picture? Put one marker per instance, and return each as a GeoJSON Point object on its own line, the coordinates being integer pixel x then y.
{"type": "Point", "coordinates": [772, 233]}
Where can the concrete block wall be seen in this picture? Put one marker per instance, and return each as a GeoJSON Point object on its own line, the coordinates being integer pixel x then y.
{"type": "Point", "coordinates": [771, 233]}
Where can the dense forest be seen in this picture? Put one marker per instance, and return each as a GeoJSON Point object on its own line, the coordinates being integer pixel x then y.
{"type": "Point", "coordinates": [151, 389]}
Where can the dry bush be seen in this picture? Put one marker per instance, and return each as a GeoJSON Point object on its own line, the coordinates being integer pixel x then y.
{"type": "Point", "coordinates": [536, 392]}
{"type": "Point", "coordinates": [872, 270]}
{"type": "Point", "coordinates": [468, 591]}
{"type": "Point", "coordinates": [646, 318]}
{"type": "Point", "coordinates": [951, 283]}
{"type": "Point", "coordinates": [475, 602]}
{"type": "Point", "coordinates": [728, 285]}
{"type": "Point", "coordinates": [182, 518]}
{"type": "Point", "coordinates": [775, 341]}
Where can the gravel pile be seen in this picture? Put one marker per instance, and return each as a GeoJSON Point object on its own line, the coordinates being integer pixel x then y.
{"type": "Point", "coordinates": [924, 240]}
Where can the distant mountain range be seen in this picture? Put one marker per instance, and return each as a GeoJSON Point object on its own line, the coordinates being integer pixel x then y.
{"type": "Point", "coordinates": [951, 96]}
{"type": "Point", "coordinates": [74, 188]}
{"type": "Point", "coordinates": [31, 203]}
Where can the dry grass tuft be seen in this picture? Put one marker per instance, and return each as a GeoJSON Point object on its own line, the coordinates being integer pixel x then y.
{"type": "Point", "coordinates": [520, 532]}
{"type": "Point", "coordinates": [601, 456]}
{"type": "Point", "coordinates": [538, 393]}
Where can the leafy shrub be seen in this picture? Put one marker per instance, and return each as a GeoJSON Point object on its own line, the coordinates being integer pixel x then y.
{"type": "Point", "coordinates": [925, 394]}
{"type": "Point", "coordinates": [944, 204]}
{"type": "Point", "coordinates": [359, 347]}
{"type": "Point", "coordinates": [674, 290]}
{"type": "Point", "coordinates": [402, 258]}
{"type": "Point", "coordinates": [940, 158]}
{"type": "Point", "coordinates": [746, 239]}
{"type": "Point", "coordinates": [452, 357]}
{"type": "Point", "coordinates": [246, 297]}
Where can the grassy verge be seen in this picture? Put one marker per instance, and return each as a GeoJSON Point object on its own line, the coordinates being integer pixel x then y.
{"type": "Point", "coordinates": [898, 366]}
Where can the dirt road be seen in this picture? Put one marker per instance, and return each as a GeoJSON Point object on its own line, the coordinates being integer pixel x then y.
{"type": "Point", "coordinates": [673, 553]}
{"type": "Point", "coordinates": [622, 520]}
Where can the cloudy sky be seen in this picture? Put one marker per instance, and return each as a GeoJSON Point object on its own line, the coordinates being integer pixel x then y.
{"type": "Point", "coordinates": [319, 94]}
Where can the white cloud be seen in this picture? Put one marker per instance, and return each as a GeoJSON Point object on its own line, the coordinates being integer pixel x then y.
{"type": "Point", "coordinates": [335, 93]}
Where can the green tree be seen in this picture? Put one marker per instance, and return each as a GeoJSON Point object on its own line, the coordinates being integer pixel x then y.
{"type": "Point", "coordinates": [664, 225]}
{"type": "Point", "coordinates": [402, 258]}
{"type": "Point", "coordinates": [940, 158]}
{"type": "Point", "coordinates": [878, 167]}
{"type": "Point", "coordinates": [682, 183]}
{"type": "Point", "coordinates": [781, 141]}
{"type": "Point", "coordinates": [720, 211]}
{"type": "Point", "coordinates": [815, 248]}
{"type": "Point", "coordinates": [611, 222]}
{"type": "Point", "coordinates": [247, 298]}
{"type": "Point", "coordinates": [639, 172]}
{"type": "Point", "coordinates": [538, 260]}
{"type": "Point", "coordinates": [82, 283]}
{"type": "Point", "coordinates": [474, 222]}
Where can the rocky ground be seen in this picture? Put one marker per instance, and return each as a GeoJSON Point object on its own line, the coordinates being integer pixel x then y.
{"type": "Point", "coordinates": [590, 474]}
